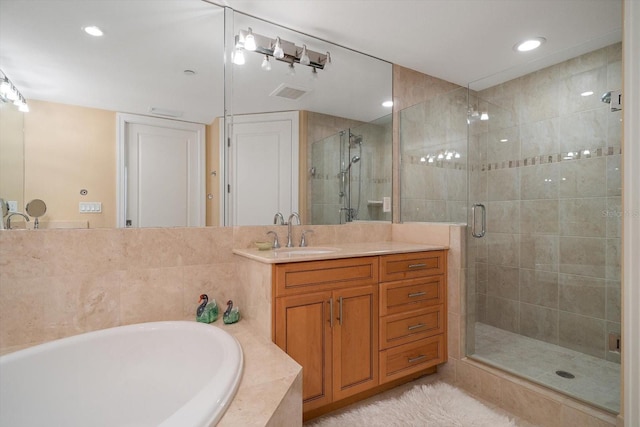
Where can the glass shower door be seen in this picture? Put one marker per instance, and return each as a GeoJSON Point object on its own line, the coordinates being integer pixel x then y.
{"type": "Point", "coordinates": [543, 282]}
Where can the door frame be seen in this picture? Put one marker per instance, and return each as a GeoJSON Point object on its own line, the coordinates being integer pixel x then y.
{"type": "Point", "coordinates": [124, 119]}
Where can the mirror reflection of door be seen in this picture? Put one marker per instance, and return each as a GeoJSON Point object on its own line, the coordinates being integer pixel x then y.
{"type": "Point", "coordinates": [264, 167]}
{"type": "Point", "coordinates": [160, 172]}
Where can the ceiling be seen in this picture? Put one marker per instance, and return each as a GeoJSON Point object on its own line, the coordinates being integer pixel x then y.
{"type": "Point", "coordinates": [461, 41]}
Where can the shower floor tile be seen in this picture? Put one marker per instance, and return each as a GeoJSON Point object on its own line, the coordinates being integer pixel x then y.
{"type": "Point", "coordinates": [596, 381]}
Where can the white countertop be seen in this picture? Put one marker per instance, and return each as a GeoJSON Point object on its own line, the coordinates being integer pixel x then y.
{"type": "Point", "coordinates": [331, 251]}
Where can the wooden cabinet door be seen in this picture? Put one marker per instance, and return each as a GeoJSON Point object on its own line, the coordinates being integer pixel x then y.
{"type": "Point", "coordinates": [303, 331]}
{"type": "Point", "coordinates": [355, 340]}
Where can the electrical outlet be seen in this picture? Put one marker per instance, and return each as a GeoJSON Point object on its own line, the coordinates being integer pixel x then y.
{"type": "Point", "coordinates": [12, 205]}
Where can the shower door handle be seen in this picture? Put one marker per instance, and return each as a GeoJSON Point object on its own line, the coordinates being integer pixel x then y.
{"type": "Point", "coordinates": [473, 220]}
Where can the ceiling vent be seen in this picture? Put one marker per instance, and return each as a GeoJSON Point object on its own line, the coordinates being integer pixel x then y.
{"type": "Point", "coordinates": [290, 91]}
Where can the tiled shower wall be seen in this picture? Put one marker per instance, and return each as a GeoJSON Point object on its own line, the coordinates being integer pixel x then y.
{"type": "Point", "coordinates": [547, 166]}
{"type": "Point", "coordinates": [433, 156]}
{"type": "Point", "coordinates": [374, 168]}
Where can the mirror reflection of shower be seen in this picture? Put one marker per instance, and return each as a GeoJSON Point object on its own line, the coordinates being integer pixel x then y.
{"type": "Point", "coordinates": [351, 152]}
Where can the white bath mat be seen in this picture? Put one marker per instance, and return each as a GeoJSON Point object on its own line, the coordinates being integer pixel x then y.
{"type": "Point", "coordinates": [437, 405]}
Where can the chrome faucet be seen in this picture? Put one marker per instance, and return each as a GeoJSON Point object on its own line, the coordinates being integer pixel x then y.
{"type": "Point", "coordinates": [289, 223]}
{"type": "Point", "coordinates": [12, 214]}
{"type": "Point", "coordinates": [278, 216]}
{"type": "Point", "coordinates": [276, 244]}
{"type": "Point", "coordinates": [303, 239]}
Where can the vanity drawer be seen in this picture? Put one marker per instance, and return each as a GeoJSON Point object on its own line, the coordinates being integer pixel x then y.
{"type": "Point", "coordinates": [412, 265]}
{"type": "Point", "coordinates": [403, 328]}
{"type": "Point", "coordinates": [310, 276]}
{"type": "Point", "coordinates": [413, 294]}
{"type": "Point", "coordinates": [409, 358]}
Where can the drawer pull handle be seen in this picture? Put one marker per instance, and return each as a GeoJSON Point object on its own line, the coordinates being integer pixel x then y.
{"type": "Point", "coordinates": [417, 294]}
{"type": "Point", "coordinates": [418, 326]}
{"type": "Point", "coordinates": [417, 358]}
{"type": "Point", "coordinates": [422, 264]}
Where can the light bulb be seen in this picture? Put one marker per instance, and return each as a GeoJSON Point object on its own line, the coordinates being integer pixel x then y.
{"type": "Point", "coordinates": [430, 159]}
{"type": "Point", "coordinates": [304, 57]}
{"type": "Point", "coordinates": [23, 108]}
{"type": "Point", "coordinates": [327, 61]}
{"type": "Point", "coordinates": [12, 95]}
{"type": "Point", "coordinates": [250, 41]}
{"type": "Point", "coordinates": [278, 52]}
{"type": "Point", "coordinates": [484, 116]}
{"type": "Point", "coordinates": [238, 57]}
{"type": "Point", "coordinates": [5, 87]}
{"type": "Point", "coordinates": [266, 65]}
{"type": "Point", "coordinates": [423, 159]}
{"type": "Point", "coordinates": [457, 155]}
{"type": "Point", "coordinates": [440, 156]}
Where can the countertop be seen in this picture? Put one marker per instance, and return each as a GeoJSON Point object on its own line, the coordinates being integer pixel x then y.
{"type": "Point", "coordinates": [350, 250]}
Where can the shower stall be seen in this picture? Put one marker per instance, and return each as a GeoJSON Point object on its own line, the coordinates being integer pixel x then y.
{"type": "Point", "coordinates": [350, 174]}
{"type": "Point", "coordinates": [542, 163]}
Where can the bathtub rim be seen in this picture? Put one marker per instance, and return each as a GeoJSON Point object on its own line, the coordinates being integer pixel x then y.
{"type": "Point", "coordinates": [229, 344]}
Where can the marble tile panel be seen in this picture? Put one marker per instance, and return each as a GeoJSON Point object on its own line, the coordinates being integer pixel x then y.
{"type": "Point", "coordinates": [539, 288]}
{"type": "Point", "coordinates": [614, 129]}
{"type": "Point", "coordinates": [207, 245]}
{"type": "Point", "coordinates": [503, 313]}
{"type": "Point", "coordinates": [529, 404]}
{"type": "Point", "coordinates": [538, 322]}
{"type": "Point", "coordinates": [539, 181]}
{"type": "Point", "coordinates": [582, 295]}
{"type": "Point", "coordinates": [539, 216]}
{"type": "Point", "coordinates": [25, 254]}
{"type": "Point", "coordinates": [613, 328]}
{"type": "Point", "coordinates": [22, 310]}
{"type": "Point", "coordinates": [539, 138]}
{"type": "Point", "coordinates": [572, 417]}
{"type": "Point", "coordinates": [478, 382]}
{"type": "Point", "coordinates": [148, 295]}
{"type": "Point", "coordinates": [572, 87]}
{"type": "Point", "coordinates": [614, 175]}
{"type": "Point", "coordinates": [152, 247]}
{"type": "Point", "coordinates": [583, 178]}
{"type": "Point", "coordinates": [503, 216]}
{"type": "Point", "coordinates": [539, 252]}
{"type": "Point", "coordinates": [613, 305]}
{"type": "Point", "coordinates": [583, 217]}
{"type": "Point", "coordinates": [613, 216]}
{"type": "Point", "coordinates": [503, 144]}
{"type": "Point", "coordinates": [504, 184]}
{"type": "Point", "coordinates": [583, 256]}
{"type": "Point", "coordinates": [503, 249]}
{"type": "Point", "coordinates": [614, 259]}
{"type": "Point", "coordinates": [503, 282]}
{"type": "Point", "coordinates": [583, 334]}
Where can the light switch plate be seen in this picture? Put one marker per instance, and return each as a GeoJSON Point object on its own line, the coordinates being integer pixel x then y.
{"type": "Point", "coordinates": [90, 207]}
{"type": "Point", "coordinates": [12, 205]}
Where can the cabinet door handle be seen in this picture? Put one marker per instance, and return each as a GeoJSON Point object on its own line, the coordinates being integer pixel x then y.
{"type": "Point", "coordinates": [416, 294]}
{"type": "Point", "coordinates": [420, 265]}
{"type": "Point", "coordinates": [331, 312]}
{"type": "Point", "coordinates": [418, 326]}
{"type": "Point", "coordinates": [340, 310]}
{"type": "Point", "coordinates": [417, 358]}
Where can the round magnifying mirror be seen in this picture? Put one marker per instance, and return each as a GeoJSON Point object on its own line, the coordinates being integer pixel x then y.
{"type": "Point", "coordinates": [36, 208]}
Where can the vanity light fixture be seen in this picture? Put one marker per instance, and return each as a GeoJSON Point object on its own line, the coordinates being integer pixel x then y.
{"type": "Point", "coordinates": [279, 49]}
{"type": "Point", "coordinates": [94, 31]}
{"type": "Point", "coordinates": [314, 74]}
{"type": "Point", "coordinates": [292, 70]}
{"type": "Point", "coordinates": [304, 56]}
{"type": "Point", "coordinates": [266, 65]}
{"type": "Point", "coordinates": [484, 116]}
{"type": "Point", "coordinates": [250, 41]}
{"type": "Point", "coordinates": [9, 93]}
{"type": "Point", "coordinates": [529, 44]}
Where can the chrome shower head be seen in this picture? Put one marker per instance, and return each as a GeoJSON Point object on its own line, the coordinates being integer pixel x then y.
{"type": "Point", "coordinates": [354, 159]}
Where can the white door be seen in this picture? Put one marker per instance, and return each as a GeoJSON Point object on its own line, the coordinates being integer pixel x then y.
{"type": "Point", "coordinates": [161, 172]}
{"type": "Point", "coordinates": [264, 167]}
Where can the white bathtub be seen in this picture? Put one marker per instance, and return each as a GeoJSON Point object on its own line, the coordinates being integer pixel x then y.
{"type": "Point", "coordinates": [167, 374]}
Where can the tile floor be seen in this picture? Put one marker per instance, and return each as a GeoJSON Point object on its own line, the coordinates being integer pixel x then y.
{"type": "Point", "coordinates": [596, 381]}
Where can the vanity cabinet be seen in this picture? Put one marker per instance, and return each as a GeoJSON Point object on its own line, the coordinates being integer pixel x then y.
{"type": "Point", "coordinates": [413, 315]}
{"type": "Point", "coordinates": [358, 325]}
{"type": "Point", "coordinates": [326, 318]}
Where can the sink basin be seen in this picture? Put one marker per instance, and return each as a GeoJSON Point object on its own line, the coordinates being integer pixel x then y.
{"type": "Point", "coordinates": [305, 251]}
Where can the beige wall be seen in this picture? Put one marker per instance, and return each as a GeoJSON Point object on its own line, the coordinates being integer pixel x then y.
{"type": "Point", "coordinates": [69, 148]}
{"type": "Point", "coordinates": [11, 154]}
{"type": "Point", "coordinates": [213, 166]}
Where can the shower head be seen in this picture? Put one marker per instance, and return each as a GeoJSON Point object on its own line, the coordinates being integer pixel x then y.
{"type": "Point", "coordinates": [355, 139]}
{"type": "Point", "coordinates": [354, 159]}
{"type": "Point", "coordinates": [606, 97]}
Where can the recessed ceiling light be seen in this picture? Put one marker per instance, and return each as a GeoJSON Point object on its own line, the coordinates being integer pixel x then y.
{"type": "Point", "coordinates": [529, 44]}
{"type": "Point", "coordinates": [387, 104]}
{"type": "Point", "coordinates": [92, 30]}
{"type": "Point", "coordinates": [587, 93]}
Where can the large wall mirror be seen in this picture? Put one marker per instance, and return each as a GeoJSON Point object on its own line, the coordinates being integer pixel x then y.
{"type": "Point", "coordinates": [342, 131]}
{"type": "Point", "coordinates": [165, 60]}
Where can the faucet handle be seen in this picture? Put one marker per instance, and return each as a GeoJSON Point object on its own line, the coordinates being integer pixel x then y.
{"type": "Point", "coordinates": [276, 243]}
{"type": "Point", "coordinates": [303, 240]}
